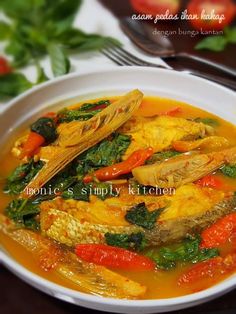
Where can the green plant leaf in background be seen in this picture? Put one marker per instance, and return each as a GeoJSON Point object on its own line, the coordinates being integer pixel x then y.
{"type": "Point", "coordinates": [230, 33]}
{"type": "Point", "coordinates": [38, 28]}
{"type": "Point", "coordinates": [213, 43]}
{"type": "Point", "coordinates": [218, 43]}
{"type": "Point", "coordinates": [5, 30]}
{"type": "Point", "coordinates": [59, 61]}
{"type": "Point", "coordinates": [13, 84]}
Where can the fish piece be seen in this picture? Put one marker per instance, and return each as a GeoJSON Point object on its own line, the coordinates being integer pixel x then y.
{"type": "Point", "coordinates": [78, 136]}
{"type": "Point", "coordinates": [191, 208]}
{"type": "Point", "coordinates": [183, 169]}
{"type": "Point", "coordinates": [210, 142]}
{"type": "Point", "coordinates": [159, 132]}
{"type": "Point", "coordinates": [89, 277]}
{"type": "Point", "coordinates": [70, 230]}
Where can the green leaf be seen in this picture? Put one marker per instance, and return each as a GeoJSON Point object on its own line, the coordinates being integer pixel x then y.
{"type": "Point", "coordinates": [229, 171]}
{"type": "Point", "coordinates": [59, 62]}
{"type": "Point", "coordinates": [21, 176]}
{"type": "Point", "coordinates": [107, 152]}
{"type": "Point", "coordinates": [85, 112]}
{"type": "Point", "coordinates": [140, 216]}
{"type": "Point", "coordinates": [41, 75]}
{"type": "Point", "coordinates": [5, 30]}
{"type": "Point", "coordinates": [135, 241]}
{"type": "Point", "coordinates": [209, 121]}
{"type": "Point", "coordinates": [230, 33]}
{"type": "Point", "coordinates": [213, 43]}
{"type": "Point", "coordinates": [23, 213]}
{"type": "Point", "coordinates": [187, 251]}
{"type": "Point", "coordinates": [18, 51]}
{"type": "Point", "coordinates": [13, 84]}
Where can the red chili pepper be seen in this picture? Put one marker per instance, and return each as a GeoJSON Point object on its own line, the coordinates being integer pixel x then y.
{"type": "Point", "coordinates": [211, 182]}
{"type": "Point", "coordinates": [136, 159]}
{"type": "Point", "coordinates": [33, 142]}
{"type": "Point", "coordinates": [171, 112]}
{"type": "Point", "coordinates": [102, 106]}
{"type": "Point", "coordinates": [5, 68]}
{"type": "Point", "coordinates": [208, 269]}
{"type": "Point", "coordinates": [110, 256]}
{"type": "Point", "coordinates": [220, 232]}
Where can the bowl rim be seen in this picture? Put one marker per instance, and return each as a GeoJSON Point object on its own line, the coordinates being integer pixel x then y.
{"type": "Point", "coordinates": [23, 272]}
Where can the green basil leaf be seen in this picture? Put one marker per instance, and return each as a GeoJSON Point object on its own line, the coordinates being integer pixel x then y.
{"type": "Point", "coordinates": [41, 77]}
{"type": "Point", "coordinates": [5, 30]}
{"type": "Point", "coordinates": [230, 33]}
{"type": "Point", "coordinates": [59, 62]}
{"type": "Point", "coordinates": [13, 84]}
{"type": "Point", "coordinates": [213, 43]}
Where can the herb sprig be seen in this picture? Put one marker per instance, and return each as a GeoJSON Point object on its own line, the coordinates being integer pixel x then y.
{"type": "Point", "coordinates": [34, 29]}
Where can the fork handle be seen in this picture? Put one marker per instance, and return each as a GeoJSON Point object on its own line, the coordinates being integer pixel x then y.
{"type": "Point", "coordinates": [217, 79]}
{"type": "Point", "coordinates": [220, 67]}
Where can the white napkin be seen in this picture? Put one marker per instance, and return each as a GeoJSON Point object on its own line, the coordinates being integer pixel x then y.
{"type": "Point", "coordinates": [92, 18]}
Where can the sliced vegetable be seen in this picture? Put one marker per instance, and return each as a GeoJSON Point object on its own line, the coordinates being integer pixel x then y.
{"type": "Point", "coordinates": [210, 142]}
{"type": "Point", "coordinates": [137, 158]}
{"type": "Point", "coordinates": [32, 144]}
{"type": "Point", "coordinates": [210, 181]}
{"type": "Point", "coordinates": [217, 266]}
{"type": "Point", "coordinates": [85, 112]}
{"type": "Point", "coordinates": [110, 256]}
{"type": "Point", "coordinates": [220, 232]}
{"type": "Point", "coordinates": [187, 251]}
{"type": "Point", "coordinates": [139, 215]}
{"type": "Point", "coordinates": [134, 241]}
{"type": "Point", "coordinates": [159, 157]}
{"type": "Point", "coordinates": [229, 171]}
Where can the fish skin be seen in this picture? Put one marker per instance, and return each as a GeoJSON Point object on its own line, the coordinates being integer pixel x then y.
{"type": "Point", "coordinates": [183, 169]}
{"type": "Point", "coordinates": [173, 230]}
{"type": "Point", "coordinates": [191, 209]}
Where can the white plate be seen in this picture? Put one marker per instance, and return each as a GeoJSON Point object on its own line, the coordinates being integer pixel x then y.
{"type": "Point", "coordinates": [116, 81]}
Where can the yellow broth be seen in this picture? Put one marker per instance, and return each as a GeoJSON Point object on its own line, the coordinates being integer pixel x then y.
{"type": "Point", "coordinates": [161, 284]}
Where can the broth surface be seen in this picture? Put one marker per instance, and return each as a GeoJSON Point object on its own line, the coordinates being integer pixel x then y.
{"type": "Point", "coordinates": [161, 284]}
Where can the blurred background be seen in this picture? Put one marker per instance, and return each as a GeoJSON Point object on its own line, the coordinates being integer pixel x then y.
{"type": "Point", "coordinates": [42, 39]}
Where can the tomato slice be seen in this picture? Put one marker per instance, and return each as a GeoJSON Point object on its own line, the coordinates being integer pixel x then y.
{"type": "Point", "coordinates": [116, 257]}
{"type": "Point", "coordinates": [5, 68]}
{"type": "Point", "coordinates": [156, 7]}
{"type": "Point", "coordinates": [211, 14]}
{"type": "Point", "coordinates": [211, 181]}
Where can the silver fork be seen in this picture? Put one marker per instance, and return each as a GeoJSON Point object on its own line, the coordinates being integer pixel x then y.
{"type": "Point", "coordinates": [122, 57]}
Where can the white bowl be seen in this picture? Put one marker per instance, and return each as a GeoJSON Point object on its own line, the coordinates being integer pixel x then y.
{"type": "Point", "coordinates": [115, 81]}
